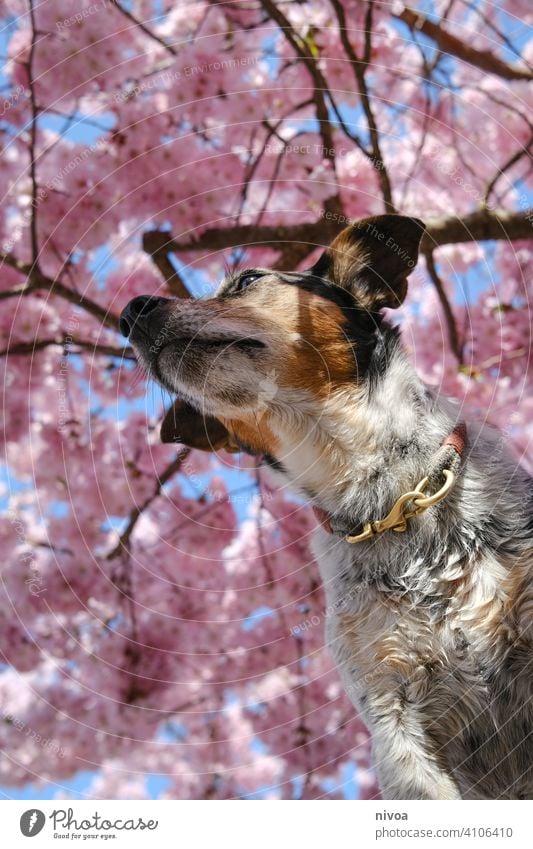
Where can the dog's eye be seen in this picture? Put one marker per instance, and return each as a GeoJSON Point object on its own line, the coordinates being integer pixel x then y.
{"type": "Point", "coordinates": [246, 280]}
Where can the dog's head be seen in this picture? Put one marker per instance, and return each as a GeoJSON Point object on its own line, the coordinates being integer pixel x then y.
{"type": "Point", "coordinates": [271, 345]}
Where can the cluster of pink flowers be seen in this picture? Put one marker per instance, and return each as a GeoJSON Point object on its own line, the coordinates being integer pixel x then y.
{"type": "Point", "coordinates": [196, 649]}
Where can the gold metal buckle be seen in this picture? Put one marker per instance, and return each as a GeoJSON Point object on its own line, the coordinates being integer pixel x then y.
{"type": "Point", "coordinates": [398, 517]}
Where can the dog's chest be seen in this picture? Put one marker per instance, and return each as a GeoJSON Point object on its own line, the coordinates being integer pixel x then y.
{"type": "Point", "coordinates": [383, 636]}
{"type": "Point", "coordinates": [388, 639]}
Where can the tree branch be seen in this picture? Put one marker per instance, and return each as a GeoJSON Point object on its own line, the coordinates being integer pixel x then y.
{"type": "Point", "coordinates": [485, 60]}
{"type": "Point", "coordinates": [155, 243]}
{"type": "Point", "coordinates": [37, 281]}
{"type": "Point", "coordinates": [481, 225]}
{"type": "Point", "coordinates": [264, 234]}
{"type": "Point", "coordinates": [478, 226]}
{"type": "Point", "coordinates": [20, 348]}
{"type": "Point", "coordinates": [292, 255]}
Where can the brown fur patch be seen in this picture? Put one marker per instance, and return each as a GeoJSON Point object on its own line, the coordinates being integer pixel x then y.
{"type": "Point", "coordinates": [254, 433]}
{"type": "Point", "coordinates": [324, 358]}
{"type": "Point", "coordinates": [182, 423]}
{"type": "Point", "coordinates": [320, 355]}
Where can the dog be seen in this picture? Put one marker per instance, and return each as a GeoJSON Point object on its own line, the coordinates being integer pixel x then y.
{"type": "Point", "coordinates": [425, 533]}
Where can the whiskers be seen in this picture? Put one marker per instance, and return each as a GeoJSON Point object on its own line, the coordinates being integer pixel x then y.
{"type": "Point", "coordinates": [236, 262]}
{"type": "Point", "coordinates": [142, 374]}
{"type": "Point", "coordinates": [139, 374]}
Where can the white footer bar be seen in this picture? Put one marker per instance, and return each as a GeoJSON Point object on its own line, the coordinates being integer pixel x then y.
{"type": "Point", "coordinates": [267, 824]}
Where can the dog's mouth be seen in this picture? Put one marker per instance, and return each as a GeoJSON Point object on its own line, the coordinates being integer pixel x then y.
{"type": "Point", "coordinates": [243, 342]}
{"type": "Point", "coordinates": [152, 348]}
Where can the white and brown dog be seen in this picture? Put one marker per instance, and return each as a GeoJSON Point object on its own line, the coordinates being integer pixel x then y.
{"type": "Point", "coordinates": [433, 627]}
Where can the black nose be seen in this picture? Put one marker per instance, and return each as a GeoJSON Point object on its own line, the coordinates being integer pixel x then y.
{"type": "Point", "coordinates": [137, 307]}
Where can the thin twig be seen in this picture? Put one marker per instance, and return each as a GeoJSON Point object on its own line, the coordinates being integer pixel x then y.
{"type": "Point", "coordinates": [33, 140]}
{"type": "Point", "coordinates": [144, 28]}
{"type": "Point", "coordinates": [359, 67]}
{"type": "Point", "coordinates": [302, 50]}
{"type": "Point", "coordinates": [253, 164]}
{"type": "Point", "coordinates": [507, 165]}
{"type": "Point", "coordinates": [124, 540]}
{"type": "Point", "coordinates": [453, 335]}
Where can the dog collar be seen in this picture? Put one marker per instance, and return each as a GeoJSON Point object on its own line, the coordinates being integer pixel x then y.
{"type": "Point", "coordinates": [445, 464]}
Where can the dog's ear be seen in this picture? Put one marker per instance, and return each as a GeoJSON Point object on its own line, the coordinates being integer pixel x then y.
{"type": "Point", "coordinates": [182, 423]}
{"type": "Point", "coordinates": [372, 259]}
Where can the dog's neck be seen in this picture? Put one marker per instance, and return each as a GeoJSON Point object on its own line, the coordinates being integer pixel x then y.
{"type": "Point", "coordinates": [369, 442]}
{"type": "Point", "coordinates": [374, 442]}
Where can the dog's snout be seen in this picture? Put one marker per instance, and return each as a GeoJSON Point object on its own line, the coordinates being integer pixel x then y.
{"type": "Point", "coordinates": [137, 307]}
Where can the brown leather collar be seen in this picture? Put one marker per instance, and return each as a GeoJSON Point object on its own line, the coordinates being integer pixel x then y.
{"type": "Point", "coordinates": [457, 438]}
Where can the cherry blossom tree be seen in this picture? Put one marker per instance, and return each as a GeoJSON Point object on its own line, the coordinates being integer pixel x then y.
{"type": "Point", "coordinates": [160, 612]}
